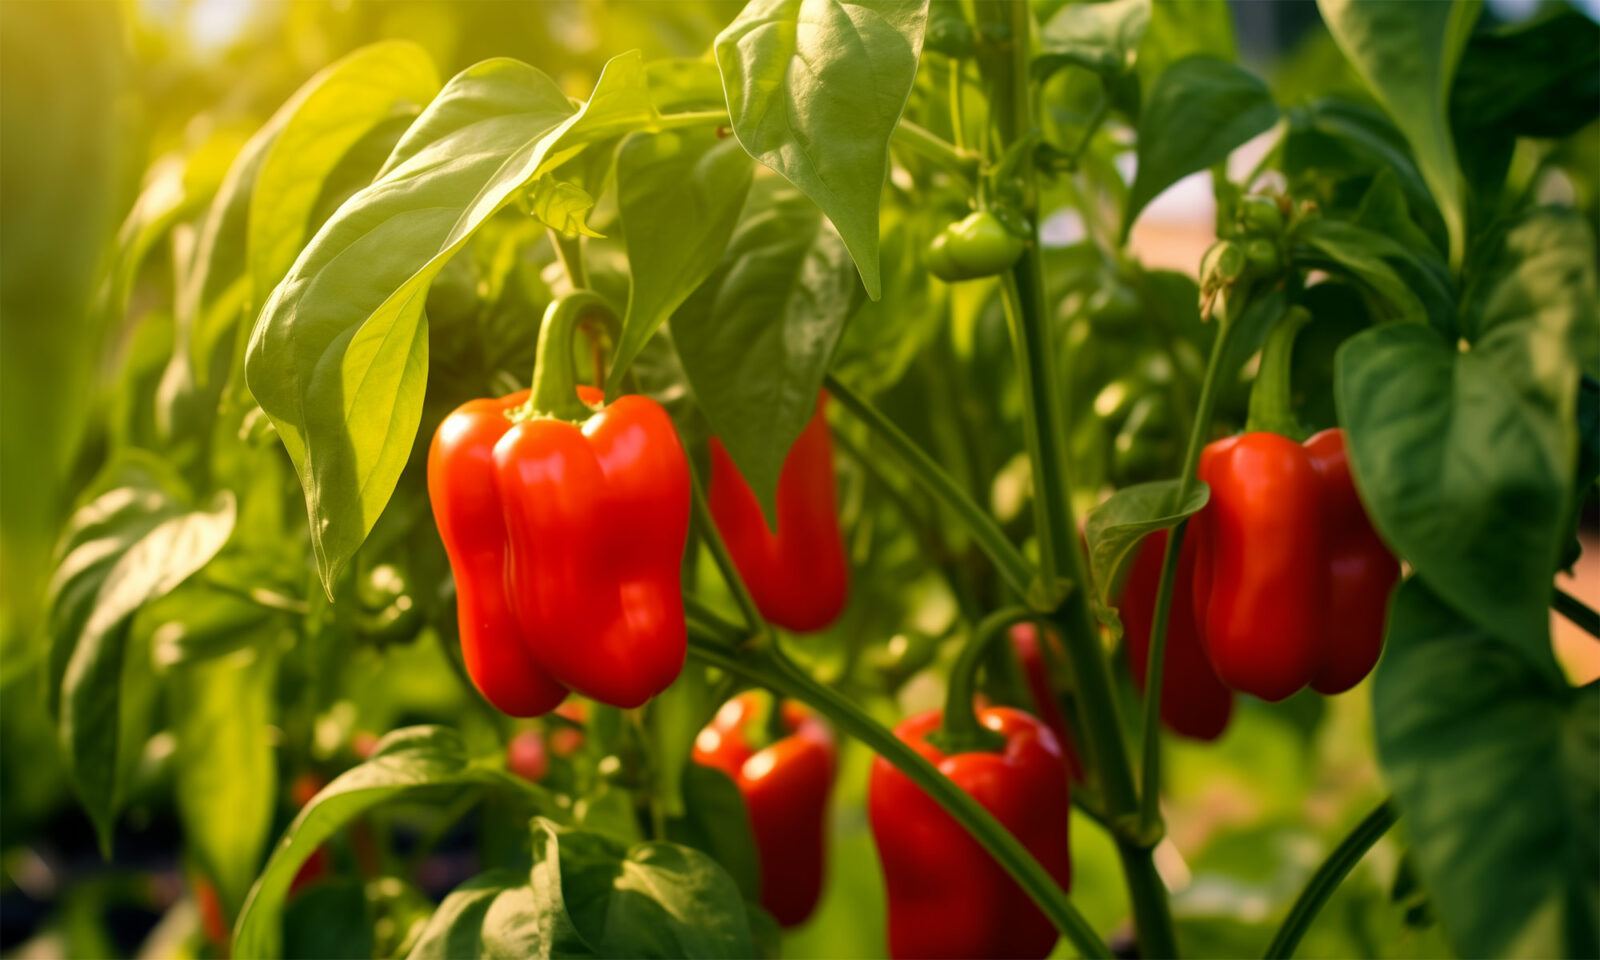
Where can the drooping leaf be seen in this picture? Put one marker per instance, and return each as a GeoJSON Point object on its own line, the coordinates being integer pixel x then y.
{"type": "Point", "coordinates": [649, 900]}
{"type": "Point", "coordinates": [338, 359]}
{"type": "Point", "coordinates": [1407, 55]}
{"type": "Point", "coordinates": [134, 542]}
{"type": "Point", "coordinates": [1117, 526]}
{"type": "Point", "coordinates": [680, 194]}
{"type": "Point", "coordinates": [407, 760]}
{"type": "Point", "coordinates": [226, 771]}
{"type": "Point", "coordinates": [494, 915]}
{"type": "Point", "coordinates": [1197, 112]}
{"type": "Point", "coordinates": [815, 89]}
{"type": "Point", "coordinates": [756, 338]}
{"type": "Point", "coordinates": [1495, 766]}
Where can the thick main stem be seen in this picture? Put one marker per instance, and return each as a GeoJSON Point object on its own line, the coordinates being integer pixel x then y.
{"type": "Point", "coordinates": [771, 669]}
{"type": "Point", "coordinates": [1060, 549]}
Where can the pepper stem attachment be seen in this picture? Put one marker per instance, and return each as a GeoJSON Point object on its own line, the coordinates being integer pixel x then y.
{"type": "Point", "coordinates": [1271, 399]}
{"type": "Point", "coordinates": [555, 372]}
{"type": "Point", "coordinates": [961, 731]}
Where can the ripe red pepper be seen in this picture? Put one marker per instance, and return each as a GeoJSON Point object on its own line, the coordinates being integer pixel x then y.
{"type": "Point", "coordinates": [565, 541]}
{"type": "Point", "coordinates": [798, 576]}
{"type": "Point", "coordinates": [1025, 642]}
{"type": "Point", "coordinates": [947, 896]}
{"type": "Point", "coordinates": [785, 787]}
{"type": "Point", "coordinates": [1194, 703]}
{"type": "Point", "coordinates": [1291, 583]}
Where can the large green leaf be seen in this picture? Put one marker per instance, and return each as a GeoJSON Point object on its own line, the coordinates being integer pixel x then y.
{"type": "Point", "coordinates": [649, 900]}
{"type": "Point", "coordinates": [1362, 255]}
{"type": "Point", "coordinates": [680, 194]}
{"type": "Point", "coordinates": [339, 356]}
{"type": "Point", "coordinates": [716, 822]}
{"type": "Point", "coordinates": [407, 760]}
{"type": "Point", "coordinates": [1407, 55]}
{"type": "Point", "coordinates": [226, 770]}
{"type": "Point", "coordinates": [1495, 765]}
{"type": "Point", "coordinates": [1179, 29]}
{"type": "Point", "coordinates": [1463, 458]}
{"type": "Point", "coordinates": [493, 916]}
{"type": "Point", "coordinates": [132, 543]}
{"type": "Point", "coordinates": [1197, 112]}
{"type": "Point", "coordinates": [815, 89]}
{"type": "Point", "coordinates": [756, 338]}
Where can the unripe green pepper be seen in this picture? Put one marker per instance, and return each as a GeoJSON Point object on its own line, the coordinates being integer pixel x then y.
{"type": "Point", "coordinates": [978, 245]}
{"type": "Point", "coordinates": [1262, 255]}
{"type": "Point", "coordinates": [1259, 215]}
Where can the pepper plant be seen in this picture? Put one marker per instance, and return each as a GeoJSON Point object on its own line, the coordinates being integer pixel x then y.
{"type": "Point", "coordinates": [803, 393]}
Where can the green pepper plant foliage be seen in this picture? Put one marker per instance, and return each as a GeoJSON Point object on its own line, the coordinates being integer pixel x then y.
{"type": "Point", "coordinates": [225, 588]}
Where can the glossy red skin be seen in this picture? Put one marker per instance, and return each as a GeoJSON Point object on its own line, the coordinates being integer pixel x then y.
{"type": "Point", "coordinates": [1194, 703]}
{"type": "Point", "coordinates": [947, 896]}
{"type": "Point", "coordinates": [465, 495]}
{"type": "Point", "coordinates": [1360, 569]}
{"type": "Point", "coordinates": [597, 518]}
{"type": "Point", "coordinates": [1025, 642]}
{"type": "Point", "coordinates": [1291, 583]}
{"type": "Point", "coordinates": [1259, 591]}
{"type": "Point", "coordinates": [785, 787]}
{"type": "Point", "coordinates": [798, 576]}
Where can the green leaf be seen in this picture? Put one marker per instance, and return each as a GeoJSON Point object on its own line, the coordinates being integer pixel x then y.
{"type": "Point", "coordinates": [1463, 476]}
{"type": "Point", "coordinates": [1116, 526]}
{"type": "Point", "coordinates": [1362, 255]}
{"type": "Point", "coordinates": [679, 194]}
{"type": "Point", "coordinates": [1180, 29]}
{"type": "Point", "coordinates": [756, 338]}
{"type": "Point", "coordinates": [1356, 140]}
{"type": "Point", "coordinates": [1197, 112]}
{"type": "Point", "coordinates": [312, 133]}
{"type": "Point", "coordinates": [815, 89]}
{"type": "Point", "coordinates": [1103, 37]}
{"type": "Point", "coordinates": [132, 543]}
{"type": "Point", "coordinates": [1406, 53]}
{"type": "Point", "coordinates": [339, 357]}
{"type": "Point", "coordinates": [1495, 765]}
{"type": "Point", "coordinates": [716, 822]}
{"type": "Point", "coordinates": [561, 206]}
{"type": "Point", "coordinates": [494, 916]}
{"type": "Point", "coordinates": [226, 775]}
{"type": "Point", "coordinates": [650, 900]}
{"type": "Point", "coordinates": [406, 761]}
{"type": "Point", "coordinates": [332, 919]}
{"type": "Point", "coordinates": [884, 336]}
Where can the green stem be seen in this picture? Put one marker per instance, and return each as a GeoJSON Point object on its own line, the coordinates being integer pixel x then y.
{"type": "Point", "coordinates": [1013, 567]}
{"type": "Point", "coordinates": [719, 552]}
{"type": "Point", "coordinates": [1272, 396]}
{"type": "Point", "coordinates": [1327, 878]}
{"type": "Point", "coordinates": [922, 141]}
{"type": "Point", "coordinates": [961, 731]}
{"type": "Point", "coordinates": [713, 621]}
{"type": "Point", "coordinates": [569, 250]}
{"type": "Point", "coordinates": [555, 372]}
{"type": "Point", "coordinates": [769, 668]}
{"type": "Point", "coordinates": [1155, 672]}
{"type": "Point", "coordinates": [1058, 532]}
{"type": "Point", "coordinates": [1577, 611]}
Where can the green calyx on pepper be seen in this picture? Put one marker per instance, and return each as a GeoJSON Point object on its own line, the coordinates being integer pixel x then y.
{"type": "Point", "coordinates": [978, 245]}
{"type": "Point", "coordinates": [565, 527]}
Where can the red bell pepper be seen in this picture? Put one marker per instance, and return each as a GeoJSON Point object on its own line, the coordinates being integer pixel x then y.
{"type": "Point", "coordinates": [1194, 703]}
{"type": "Point", "coordinates": [465, 494]}
{"type": "Point", "coordinates": [1291, 583]}
{"type": "Point", "coordinates": [785, 787]}
{"type": "Point", "coordinates": [947, 896]}
{"type": "Point", "coordinates": [597, 517]}
{"type": "Point", "coordinates": [566, 540]}
{"type": "Point", "coordinates": [1025, 642]}
{"type": "Point", "coordinates": [798, 576]}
